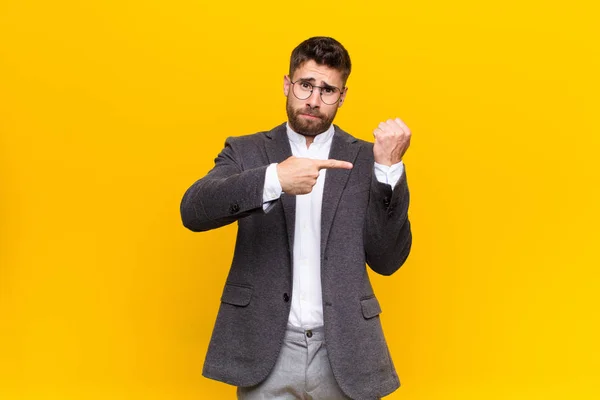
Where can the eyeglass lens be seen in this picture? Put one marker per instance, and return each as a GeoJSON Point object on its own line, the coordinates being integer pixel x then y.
{"type": "Point", "coordinates": [303, 90]}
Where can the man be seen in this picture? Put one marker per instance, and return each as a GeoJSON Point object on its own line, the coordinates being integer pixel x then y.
{"type": "Point", "coordinates": [298, 316]}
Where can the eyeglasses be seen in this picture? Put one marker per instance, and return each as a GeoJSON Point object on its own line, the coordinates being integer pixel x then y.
{"type": "Point", "coordinates": [303, 90]}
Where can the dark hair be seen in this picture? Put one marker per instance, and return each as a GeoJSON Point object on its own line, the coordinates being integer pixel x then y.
{"type": "Point", "coordinates": [324, 51]}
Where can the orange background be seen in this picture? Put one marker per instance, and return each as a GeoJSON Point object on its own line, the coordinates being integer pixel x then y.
{"type": "Point", "coordinates": [110, 110]}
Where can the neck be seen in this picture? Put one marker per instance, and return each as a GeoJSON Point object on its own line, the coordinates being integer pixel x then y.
{"type": "Point", "coordinates": [309, 140]}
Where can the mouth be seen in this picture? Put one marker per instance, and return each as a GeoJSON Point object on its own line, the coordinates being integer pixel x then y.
{"type": "Point", "coordinates": [310, 116]}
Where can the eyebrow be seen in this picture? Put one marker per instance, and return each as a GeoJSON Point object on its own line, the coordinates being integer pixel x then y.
{"type": "Point", "coordinates": [313, 80]}
{"type": "Point", "coordinates": [307, 79]}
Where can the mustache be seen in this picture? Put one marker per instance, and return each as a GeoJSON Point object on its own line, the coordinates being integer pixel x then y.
{"type": "Point", "coordinates": [310, 111]}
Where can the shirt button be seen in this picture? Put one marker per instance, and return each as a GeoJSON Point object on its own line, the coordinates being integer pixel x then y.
{"type": "Point", "coordinates": [309, 333]}
{"type": "Point", "coordinates": [286, 297]}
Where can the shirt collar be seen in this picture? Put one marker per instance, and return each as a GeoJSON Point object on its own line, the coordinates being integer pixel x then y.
{"type": "Point", "coordinates": [321, 138]}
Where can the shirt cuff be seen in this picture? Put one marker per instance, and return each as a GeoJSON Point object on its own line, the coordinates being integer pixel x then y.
{"type": "Point", "coordinates": [389, 174]}
{"type": "Point", "coordinates": [272, 189]}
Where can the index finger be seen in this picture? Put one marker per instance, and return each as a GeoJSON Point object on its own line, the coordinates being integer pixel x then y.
{"type": "Point", "coordinates": [331, 163]}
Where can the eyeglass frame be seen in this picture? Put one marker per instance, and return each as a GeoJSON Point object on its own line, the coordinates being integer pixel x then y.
{"type": "Point", "coordinates": [341, 91]}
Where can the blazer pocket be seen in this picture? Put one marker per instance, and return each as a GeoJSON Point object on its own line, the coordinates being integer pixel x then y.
{"type": "Point", "coordinates": [370, 307]}
{"type": "Point", "coordinates": [237, 295]}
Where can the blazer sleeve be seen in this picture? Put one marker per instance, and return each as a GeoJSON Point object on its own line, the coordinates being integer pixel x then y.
{"type": "Point", "coordinates": [227, 193]}
{"type": "Point", "coordinates": [387, 235]}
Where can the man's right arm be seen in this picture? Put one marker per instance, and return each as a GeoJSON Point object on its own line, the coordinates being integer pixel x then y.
{"type": "Point", "coordinates": [228, 192]}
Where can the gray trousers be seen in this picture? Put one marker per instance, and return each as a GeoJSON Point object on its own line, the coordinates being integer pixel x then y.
{"type": "Point", "coordinates": [302, 371]}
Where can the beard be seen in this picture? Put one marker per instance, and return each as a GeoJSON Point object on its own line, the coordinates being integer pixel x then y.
{"type": "Point", "coordinates": [308, 126]}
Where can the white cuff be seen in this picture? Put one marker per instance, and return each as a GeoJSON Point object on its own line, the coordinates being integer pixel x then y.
{"type": "Point", "coordinates": [272, 189]}
{"type": "Point", "coordinates": [389, 174]}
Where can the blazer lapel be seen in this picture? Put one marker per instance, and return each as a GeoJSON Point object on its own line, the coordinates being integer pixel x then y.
{"type": "Point", "coordinates": [345, 148]}
{"type": "Point", "coordinates": [278, 149]}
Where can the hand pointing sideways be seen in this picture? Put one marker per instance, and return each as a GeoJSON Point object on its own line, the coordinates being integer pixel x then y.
{"type": "Point", "coordinates": [299, 175]}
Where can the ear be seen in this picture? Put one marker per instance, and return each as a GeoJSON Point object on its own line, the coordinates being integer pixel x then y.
{"type": "Point", "coordinates": [342, 97]}
{"type": "Point", "coordinates": [286, 85]}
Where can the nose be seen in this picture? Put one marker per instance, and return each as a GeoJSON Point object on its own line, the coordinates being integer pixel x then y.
{"type": "Point", "coordinates": [315, 98]}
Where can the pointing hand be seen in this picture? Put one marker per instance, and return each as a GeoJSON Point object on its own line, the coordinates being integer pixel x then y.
{"type": "Point", "coordinates": [299, 175]}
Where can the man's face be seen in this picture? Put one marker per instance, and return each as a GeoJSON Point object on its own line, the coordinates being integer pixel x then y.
{"type": "Point", "coordinates": [312, 116]}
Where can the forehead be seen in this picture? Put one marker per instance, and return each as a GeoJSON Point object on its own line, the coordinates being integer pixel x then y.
{"type": "Point", "coordinates": [320, 73]}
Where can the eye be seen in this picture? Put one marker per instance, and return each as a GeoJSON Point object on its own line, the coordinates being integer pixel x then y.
{"type": "Point", "coordinates": [328, 91]}
{"type": "Point", "coordinates": [305, 85]}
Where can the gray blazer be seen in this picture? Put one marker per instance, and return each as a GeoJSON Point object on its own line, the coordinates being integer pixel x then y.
{"type": "Point", "coordinates": [363, 221]}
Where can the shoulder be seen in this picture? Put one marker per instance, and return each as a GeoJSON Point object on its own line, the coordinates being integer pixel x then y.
{"type": "Point", "coordinates": [251, 150]}
{"type": "Point", "coordinates": [255, 138]}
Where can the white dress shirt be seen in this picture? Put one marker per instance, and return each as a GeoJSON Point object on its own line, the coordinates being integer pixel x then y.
{"type": "Point", "coordinates": [307, 302]}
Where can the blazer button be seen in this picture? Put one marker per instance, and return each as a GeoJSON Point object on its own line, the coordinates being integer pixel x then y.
{"type": "Point", "coordinates": [286, 297]}
{"type": "Point", "coordinates": [233, 208]}
{"type": "Point", "coordinates": [386, 201]}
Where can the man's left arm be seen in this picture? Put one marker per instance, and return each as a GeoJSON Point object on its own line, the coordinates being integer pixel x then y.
{"type": "Point", "coordinates": [388, 236]}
